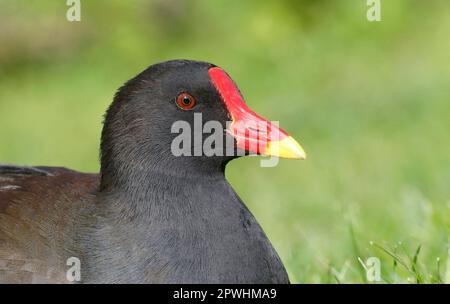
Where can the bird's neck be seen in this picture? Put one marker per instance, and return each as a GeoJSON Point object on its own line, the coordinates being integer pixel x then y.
{"type": "Point", "coordinates": [133, 170]}
{"type": "Point", "coordinates": [155, 193]}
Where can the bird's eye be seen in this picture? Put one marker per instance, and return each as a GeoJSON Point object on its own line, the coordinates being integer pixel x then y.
{"type": "Point", "coordinates": [186, 101]}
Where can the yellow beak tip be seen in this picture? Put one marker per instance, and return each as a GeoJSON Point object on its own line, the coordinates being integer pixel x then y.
{"type": "Point", "coordinates": [286, 148]}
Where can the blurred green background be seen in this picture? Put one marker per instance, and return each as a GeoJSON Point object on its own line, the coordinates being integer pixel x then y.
{"type": "Point", "coordinates": [369, 101]}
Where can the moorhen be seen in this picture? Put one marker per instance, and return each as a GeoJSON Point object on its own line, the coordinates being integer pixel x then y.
{"type": "Point", "coordinates": [151, 215]}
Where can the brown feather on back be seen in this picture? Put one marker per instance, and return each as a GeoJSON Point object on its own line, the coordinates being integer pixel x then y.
{"type": "Point", "coordinates": [38, 208]}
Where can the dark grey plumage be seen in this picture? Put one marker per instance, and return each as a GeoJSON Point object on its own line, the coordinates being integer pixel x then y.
{"type": "Point", "coordinates": [150, 217]}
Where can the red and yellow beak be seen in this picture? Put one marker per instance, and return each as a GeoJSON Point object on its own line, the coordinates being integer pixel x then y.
{"type": "Point", "coordinates": [252, 132]}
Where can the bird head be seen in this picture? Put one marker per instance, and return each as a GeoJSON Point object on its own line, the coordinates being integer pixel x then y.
{"type": "Point", "coordinates": [145, 122]}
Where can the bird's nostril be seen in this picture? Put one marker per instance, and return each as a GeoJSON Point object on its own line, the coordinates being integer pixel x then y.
{"type": "Point", "coordinates": [262, 131]}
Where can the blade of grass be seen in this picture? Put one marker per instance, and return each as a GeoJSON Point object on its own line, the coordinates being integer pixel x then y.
{"type": "Point", "coordinates": [394, 256]}
{"type": "Point", "coordinates": [447, 268]}
{"type": "Point", "coordinates": [419, 278]}
{"type": "Point", "coordinates": [356, 251]}
{"type": "Point", "coordinates": [438, 279]}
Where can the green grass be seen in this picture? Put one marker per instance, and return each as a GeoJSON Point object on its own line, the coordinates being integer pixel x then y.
{"type": "Point", "coordinates": [368, 101]}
